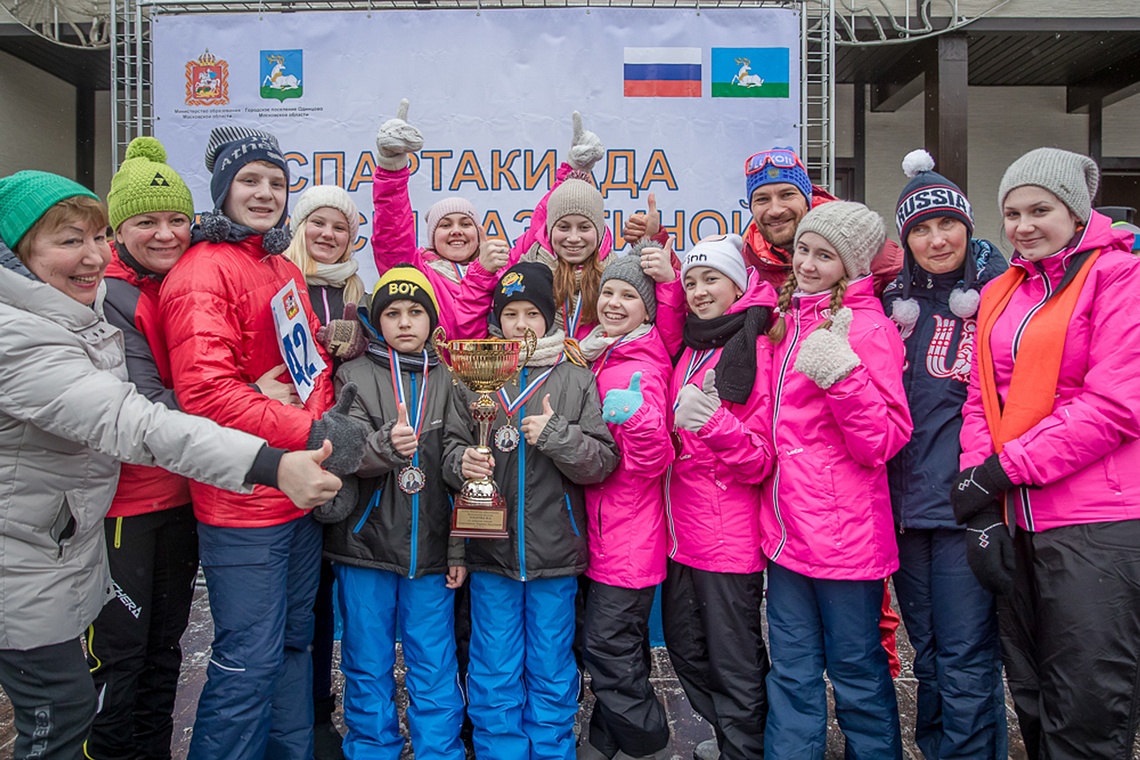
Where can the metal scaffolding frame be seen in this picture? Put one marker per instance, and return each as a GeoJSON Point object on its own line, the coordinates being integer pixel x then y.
{"type": "Point", "coordinates": [132, 112]}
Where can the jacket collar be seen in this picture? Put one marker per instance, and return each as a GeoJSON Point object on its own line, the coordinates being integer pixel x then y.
{"type": "Point", "coordinates": [817, 306]}
{"type": "Point", "coordinates": [37, 297]}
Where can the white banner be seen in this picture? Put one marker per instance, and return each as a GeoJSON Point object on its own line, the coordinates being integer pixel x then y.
{"type": "Point", "coordinates": [680, 98]}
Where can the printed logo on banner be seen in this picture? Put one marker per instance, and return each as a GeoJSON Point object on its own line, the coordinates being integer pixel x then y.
{"type": "Point", "coordinates": [207, 81]}
{"type": "Point", "coordinates": [750, 72]}
{"type": "Point", "coordinates": [670, 72]}
{"type": "Point", "coordinates": [281, 74]}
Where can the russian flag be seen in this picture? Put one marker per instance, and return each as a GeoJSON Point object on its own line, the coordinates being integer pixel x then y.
{"type": "Point", "coordinates": [672, 72]}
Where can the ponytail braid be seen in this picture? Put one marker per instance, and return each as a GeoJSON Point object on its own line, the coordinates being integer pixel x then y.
{"type": "Point", "coordinates": [779, 326]}
{"type": "Point", "coordinates": [838, 290]}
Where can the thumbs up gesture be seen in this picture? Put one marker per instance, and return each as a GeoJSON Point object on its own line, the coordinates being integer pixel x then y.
{"type": "Point", "coordinates": [534, 424]}
{"type": "Point", "coordinates": [396, 139]}
{"type": "Point", "coordinates": [642, 225]}
{"type": "Point", "coordinates": [403, 435]}
{"type": "Point", "coordinates": [657, 262]}
{"type": "Point", "coordinates": [586, 148]}
{"type": "Point", "coordinates": [346, 434]}
{"type": "Point", "coordinates": [619, 405]}
{"type": "Point", "coordinates": [696, 406]}
{"type": "Point", "coordinates": [826, 356]}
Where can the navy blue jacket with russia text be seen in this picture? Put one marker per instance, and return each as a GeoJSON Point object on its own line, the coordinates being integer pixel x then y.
{"type": "Point", "coordinates": [939, 353]}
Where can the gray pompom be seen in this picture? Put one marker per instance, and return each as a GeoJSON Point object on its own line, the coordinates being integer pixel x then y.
{"type": "Point", "coordinates": [904, 313]}
{"type": "Point", "coordinates": [215, 227]}
{"type": "Point", "coordinates": [964, 303]}
{"type": "Point", "coordinates": [276, 240]}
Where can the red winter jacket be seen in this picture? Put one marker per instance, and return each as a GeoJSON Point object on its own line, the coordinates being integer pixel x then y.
{"type": "Point", "coordinates": [132, 306]}
{"type": "Point", "coordinates": [773, 264]}
{"type": "Point", "coordinates": [221, 335]}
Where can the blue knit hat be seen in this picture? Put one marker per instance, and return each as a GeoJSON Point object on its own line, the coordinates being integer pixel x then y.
{"type": "Point", "coordinates": [770, 167]}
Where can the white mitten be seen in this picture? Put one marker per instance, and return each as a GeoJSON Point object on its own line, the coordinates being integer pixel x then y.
{"type": "Point", "coordinates": [826, 356]}
{"type": "Point", "coordinates": [586, 148]}
{"type": "Point", "coordinates": [696, 406]}
{"type": "Point", "coordinates": [397, 138]}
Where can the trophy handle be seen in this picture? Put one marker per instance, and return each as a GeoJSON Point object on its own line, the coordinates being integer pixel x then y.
{"type": "Point", "coordinates": [439, 340]}
{"type": "Point", "coordinates": [530, 342]}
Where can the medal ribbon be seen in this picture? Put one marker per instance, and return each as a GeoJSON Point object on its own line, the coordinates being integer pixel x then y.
{"type": "Point", "coordinates": [572, 320]}
{"type": "Point", "coordinates": [695, 365]}
{"type": "Point", "coordinates": [510, 406]}
{"type": "Point", "coordinates": [600, 364]}
{"type": "Point", "coordinates": [414, 413]}
{"type": "Point", "coordinates": [460, 271]}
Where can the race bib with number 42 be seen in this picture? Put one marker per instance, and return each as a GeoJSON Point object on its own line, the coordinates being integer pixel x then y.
{"type": "Point", "coordinates": [298, 348]}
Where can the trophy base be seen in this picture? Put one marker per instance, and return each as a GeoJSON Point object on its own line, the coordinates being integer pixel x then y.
{"type": "Point", "coordinates": [480, 511]}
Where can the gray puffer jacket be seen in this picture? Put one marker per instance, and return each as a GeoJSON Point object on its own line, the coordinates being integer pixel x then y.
{"type": "Point", "coordinates": [67, 417]}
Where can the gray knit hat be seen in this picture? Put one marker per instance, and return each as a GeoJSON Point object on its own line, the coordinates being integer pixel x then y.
{"type": "Point", "coordinates": [576, 196]}
{"type": "Point", "coordinates": [628, 269]}
{"type": "Point", "coordinates": [856, 232]}
{"type": "Point", "coordinates": [326, 196]}
{"type": "Point", "coordinates": [1070, 176]}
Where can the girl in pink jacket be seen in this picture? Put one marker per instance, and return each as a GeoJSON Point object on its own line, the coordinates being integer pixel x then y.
{"type": "Point", "coordinates": [626, 517]}
{"type": "Point", "coordinates": [1051, 424]}
{"type": "Point", "coordinates": [839, 412]}
{"type": "Point", "coordinates": [714, 582]}
{"type": "Point", "coordinates": [459, 262]}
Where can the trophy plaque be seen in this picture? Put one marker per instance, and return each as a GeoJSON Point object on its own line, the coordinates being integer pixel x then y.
{"type": "Point", "coordinates": [484, 366]}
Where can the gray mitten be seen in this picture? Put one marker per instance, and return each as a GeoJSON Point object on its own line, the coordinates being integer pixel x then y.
{"type": "Point", "coordinates": [346, 434]}
{"type": "Point", "coordinates": [696, 406]}
{"type": "Point", "coordinates": [340, 506]}
{"type": "Point", "coordinates": [396, 139]}
{"type": "Point", "coordinates": [586, 148]}
{"type": "Point", "coordinates": [826, 356]}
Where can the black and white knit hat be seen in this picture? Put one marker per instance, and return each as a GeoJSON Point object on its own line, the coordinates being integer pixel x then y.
{"type": "Point", "coordinates": [927, 196]}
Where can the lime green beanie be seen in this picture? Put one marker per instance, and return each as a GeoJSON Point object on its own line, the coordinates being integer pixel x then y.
{"type": "Point", "coordinates": [26, 196]}
{"type": "Point", "coordinates": [145, 184]}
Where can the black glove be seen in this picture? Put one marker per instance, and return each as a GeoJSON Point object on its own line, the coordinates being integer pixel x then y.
{"type": "Point", "coordinates": [977, 488]}
{"type": "Point", "coordinates": [346, 434]}
{"type": "Point", "coordinates": [989, 552]}
{"type": "Point", "coordinates": [340, 506]}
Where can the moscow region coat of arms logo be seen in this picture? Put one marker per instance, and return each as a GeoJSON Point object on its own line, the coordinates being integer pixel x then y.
{"type": "Point", "coordinates": [281, 74]}
{"type": "Point", "coordinates": [207, 81]}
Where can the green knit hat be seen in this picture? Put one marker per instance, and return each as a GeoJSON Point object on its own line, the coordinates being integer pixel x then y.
{"type": "Point", "coordinates": [26, 196]}
{"type": "Point", "coordinates": [145, 184]}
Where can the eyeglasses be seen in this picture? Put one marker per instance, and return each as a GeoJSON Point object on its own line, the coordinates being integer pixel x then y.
{"type": "Point", "coordinates": [781, 158]}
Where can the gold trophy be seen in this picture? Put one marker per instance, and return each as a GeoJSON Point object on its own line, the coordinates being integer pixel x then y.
{"type": "Point", "coordinates": [484, 366]}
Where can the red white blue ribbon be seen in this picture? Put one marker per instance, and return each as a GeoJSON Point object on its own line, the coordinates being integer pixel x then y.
{"type": "Point", "coordinates": [698, 360]}
{"type": "Point", "coordinates": [415, 414]}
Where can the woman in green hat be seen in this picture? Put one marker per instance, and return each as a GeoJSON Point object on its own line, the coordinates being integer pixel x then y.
{"type": "Point", "coordinates": [68, 415]}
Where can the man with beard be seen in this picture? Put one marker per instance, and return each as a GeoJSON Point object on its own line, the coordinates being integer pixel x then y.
{"type": "Point", "coordinates": [779, 195]}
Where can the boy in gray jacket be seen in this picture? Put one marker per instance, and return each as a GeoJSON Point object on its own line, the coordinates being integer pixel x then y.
{"type": "Point", "coordinates": [548, 441]}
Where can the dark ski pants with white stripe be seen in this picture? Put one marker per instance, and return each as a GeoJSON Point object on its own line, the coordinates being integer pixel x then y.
{"type": "Point", "coordinates": [712, 632]}
{"type": "Point", "coordinates": [1071, 639]}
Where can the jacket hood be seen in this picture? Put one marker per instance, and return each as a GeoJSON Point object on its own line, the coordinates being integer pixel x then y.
{"type": "Point", "coordinates": [759, 293]}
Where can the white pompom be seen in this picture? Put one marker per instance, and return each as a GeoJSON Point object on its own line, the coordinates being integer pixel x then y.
{"type": "Point", "coordinates": [917, 161]}
{"type": "Point", "coordinates": [904, 313]}
{"type": "Point", "coordinates": [964, 303]}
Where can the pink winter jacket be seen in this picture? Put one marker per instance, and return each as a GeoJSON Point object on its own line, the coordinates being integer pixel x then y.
{"type": "Point", "coordinates": [826, 509]}
{"type": "Point", "coordinates": [463, 304]}
{"type": "Point", "coordinates": [1081, 464]}
{"type": "Point", "coordinates": [713, 489]}
{"type": "Point", "coordinates": [626, 512]}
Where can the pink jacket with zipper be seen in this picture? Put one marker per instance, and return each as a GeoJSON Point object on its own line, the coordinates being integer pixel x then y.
{"type": "Point", "coordinates": [713, 489]}
{"type": "Point", "coordinates": [826, 509]}
{"type": "Point", "coordinates": [463, 304]}
{"type": "Point", "coordinates": [1081, 464]}
{"type": "Point", "coordinates": [626, 512]}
